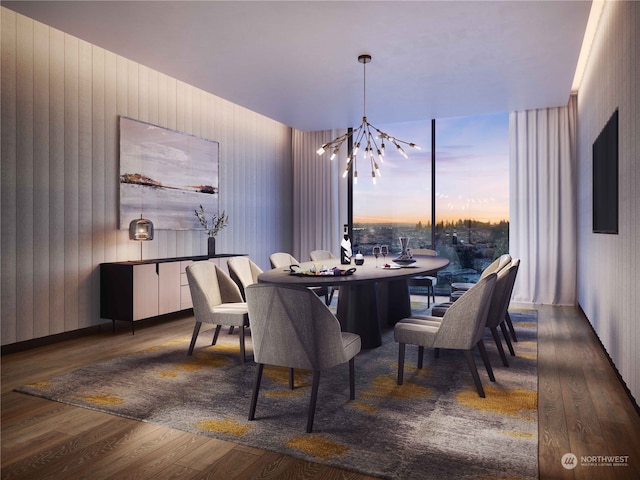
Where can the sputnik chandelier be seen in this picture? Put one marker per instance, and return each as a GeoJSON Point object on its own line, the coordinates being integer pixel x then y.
{"type": "Point", "coordinates": [363, 136]}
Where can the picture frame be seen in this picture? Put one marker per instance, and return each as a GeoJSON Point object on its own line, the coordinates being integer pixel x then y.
{"type": "Point", "coordinates": [165, 176]}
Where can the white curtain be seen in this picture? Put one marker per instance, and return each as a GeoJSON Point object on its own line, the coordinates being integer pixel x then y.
{"type": "Point", "coordinates": [543, 216]}
{"type": "Point", "coordinates": [319, 195]}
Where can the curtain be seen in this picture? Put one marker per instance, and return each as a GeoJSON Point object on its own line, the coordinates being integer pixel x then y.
{"type": "Point", "coordinates": [319, 195]}
{"type": "Point", "coordinates": [543, 216]}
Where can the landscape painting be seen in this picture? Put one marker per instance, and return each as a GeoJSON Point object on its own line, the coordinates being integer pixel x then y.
{"type": "Point", "coordinates": [165, 176]}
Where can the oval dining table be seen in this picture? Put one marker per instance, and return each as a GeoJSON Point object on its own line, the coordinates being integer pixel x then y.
{"type": "Point", "coordinates": [371, 298]}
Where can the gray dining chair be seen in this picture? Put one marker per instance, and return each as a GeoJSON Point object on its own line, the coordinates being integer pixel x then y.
{"type": "Point", "coordinates": [292, 328]}
{"type": "Point", "coordinates": [216, 300]}
{"type": "Point", "coordinates": [461, 328]}
{"type": "Point", "coordinates": [428, 281]}
{"type": "Point", "coordinates": [285, 260]}
{"type": "Point", "coordinates": [458, 288]}
{"type": "Point", "coordinates": [320, 255]}
{"type": "Point", "coordinates": [243, 271]}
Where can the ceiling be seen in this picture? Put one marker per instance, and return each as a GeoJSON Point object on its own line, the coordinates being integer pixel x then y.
{"type": "Point", "coordinates": [296, 61]}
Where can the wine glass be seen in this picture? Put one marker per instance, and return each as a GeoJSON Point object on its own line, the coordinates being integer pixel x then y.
{"type": "Point", "coordinates": [384, 250]}
{"type": "Point", "coordinates": [376, 253]}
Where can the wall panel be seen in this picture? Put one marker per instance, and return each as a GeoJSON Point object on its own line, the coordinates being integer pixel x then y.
{"type": "Point", "coordinates": [61, 98]}
{"type": "Point", "coordinates": [8, 174]}
{"type": "Point", "coordinates": [608, 265]}
{"type": "Point", "coordinates": [56, 182]}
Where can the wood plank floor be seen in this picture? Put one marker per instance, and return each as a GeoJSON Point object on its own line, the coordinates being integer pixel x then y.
{"type": "Point", "coordinates": [583, 409]}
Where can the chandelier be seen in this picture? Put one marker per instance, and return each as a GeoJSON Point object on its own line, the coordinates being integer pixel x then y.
{"type": "Point", "coordinates": [365, 135]}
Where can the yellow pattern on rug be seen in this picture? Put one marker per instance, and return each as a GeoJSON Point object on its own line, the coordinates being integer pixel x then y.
{"type": "Point", "coordinates": [103, 399]}
{"type": "Point", "coordinates": [517, 403]}
{"type": "Point", "coordinates": [228, 425]}
{"type": "Point", "coordinates": [387, 386]}
{"type": "Point", "coordinates": [319, 446]}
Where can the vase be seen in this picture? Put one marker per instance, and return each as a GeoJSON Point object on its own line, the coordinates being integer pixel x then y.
{"type": "Point", "coordinates": [211, 246]}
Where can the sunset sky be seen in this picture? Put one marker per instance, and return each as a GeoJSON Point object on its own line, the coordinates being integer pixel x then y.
{"type": "Point", "coordinates": [472, 173]}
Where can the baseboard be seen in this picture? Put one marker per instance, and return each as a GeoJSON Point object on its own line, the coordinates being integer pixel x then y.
{"type": "Point", "coordinates": [51, 339]}
{"type": "Point", "coordinates": [611, 362]}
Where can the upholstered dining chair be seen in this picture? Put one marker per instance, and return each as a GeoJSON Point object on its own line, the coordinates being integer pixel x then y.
{"type": "Point", "coordinates": [243, 271]}
{"type": "Point", "coordinates": [428, 281]}
{"type": "Point", "coordinates": [285, 260]}
{"type": "Point", "coordinates": [495, 266]}
{"type": "Point", "coordinates": [498, 315]}
{"type": "Point", "coordinates": [291, 327]}
{"type": "Point", "coordinates": [320, 255]}
{"type": "Point", "coordinates": [216, 300]}
{"type": "Point", "coordinates": [461, 328]}
{"type": "Point", "coordinates": [496, 318]}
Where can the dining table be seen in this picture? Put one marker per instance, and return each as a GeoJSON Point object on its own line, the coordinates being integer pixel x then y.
{"type": "Point", "coordinates": [371, 296]}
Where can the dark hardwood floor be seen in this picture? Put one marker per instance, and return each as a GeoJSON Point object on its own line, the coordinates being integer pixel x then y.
{"type": "Point", "coordinates": [583, 409]}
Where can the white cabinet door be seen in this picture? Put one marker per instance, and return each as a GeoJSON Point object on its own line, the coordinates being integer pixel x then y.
{"type": "Point", "coordinates": [168, 287]}
{"type": "Point", "coordinates": [145, 291]}
{"type": "Point", "coordinates": [185, 293]}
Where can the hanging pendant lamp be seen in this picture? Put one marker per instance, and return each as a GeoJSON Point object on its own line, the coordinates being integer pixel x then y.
{"type": "Point", "coordinates": [363, 136]}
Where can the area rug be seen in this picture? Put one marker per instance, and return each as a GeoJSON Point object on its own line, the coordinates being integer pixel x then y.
{"type": "Point", "coordinates": [434, 426]}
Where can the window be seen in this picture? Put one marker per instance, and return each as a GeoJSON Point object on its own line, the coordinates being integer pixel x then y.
{"type": "Point", "coordinates": [399, 204]}
{"type": "Point", "coordinates": [471, 198]}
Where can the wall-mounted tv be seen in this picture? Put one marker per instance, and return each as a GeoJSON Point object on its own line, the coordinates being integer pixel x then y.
{"type": "Point", "coordinates": [165, 175]}
{"type": "Point", "coordinates": [605, 178]}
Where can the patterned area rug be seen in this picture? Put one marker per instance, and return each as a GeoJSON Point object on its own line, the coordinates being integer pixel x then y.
{"type": "Point", "coordinates": [434, 426]}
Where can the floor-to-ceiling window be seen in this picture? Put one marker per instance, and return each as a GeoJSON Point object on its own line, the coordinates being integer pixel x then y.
{"type": "Point", "coordinates": [471, 195]}
{"type": "Point", "coordinates": [399, 203]}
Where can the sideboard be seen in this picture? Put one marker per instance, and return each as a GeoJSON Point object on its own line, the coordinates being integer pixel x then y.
{"type": "Point", "coordinates": [136, 290]}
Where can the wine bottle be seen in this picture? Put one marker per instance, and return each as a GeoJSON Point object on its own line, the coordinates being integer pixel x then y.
{"type": "Point", "coordinates": [345, 247]}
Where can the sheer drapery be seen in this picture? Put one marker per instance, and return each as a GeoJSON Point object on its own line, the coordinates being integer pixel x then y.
{"type": "Point", "coordinates": [543, 216]}
{"type": "Point", "coordinates": [319, 195]}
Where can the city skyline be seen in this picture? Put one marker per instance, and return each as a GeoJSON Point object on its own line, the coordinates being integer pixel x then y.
{"type": "Point", "coordinates": [472, 173]}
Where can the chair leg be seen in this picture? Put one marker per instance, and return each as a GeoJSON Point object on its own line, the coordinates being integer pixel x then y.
{"type": "Point", "coordinates": [352, 378]}
{"type": "Point", "coordinates": [231, 330]}
{"type": "Point", "coordinates": [256, 388]}
{"type": "Point", "coordinates": [505, 334]}
{"type": "Point", "coordinates": [215, 334]}
{"type": "Point", "coordinates": [496, 338]}
{"type": "Point", "coordinates": [196, 330]}
{"type": "Point", "coordinates": [507, 318]}
{"type": "Point", "coordinates": [314, 398]}
{"type": "Point", "coordinates": [291, 379]}
{"type": "Point", "coordinates": [485, 360]}
{"type": "Point", "coordinates": [242, 351]}
{"type": "Point", "coordinates": [474, 372]}
{"type": "Point", "coordinates": [401, 348]}
{"type": "Point", "coordinates": [420, 356]}
{"type": "Point", "coordinates": [436, 352]}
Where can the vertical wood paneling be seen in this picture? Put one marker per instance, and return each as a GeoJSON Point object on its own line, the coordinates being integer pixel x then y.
{"type": "Point", "coordinates": [61, 98]}
{"type": "Point", "coordinates": [56, 183]}
{"type": "Point", "coordinates": [41, 155]}
{"type": "Point", "coordinates": [98, 177]}
{"type": "Point", "coordinates": [111, 168]}
{"type": "Point", "coordinates": [24, 184]}
{"type": "Point", "coordinates": [608, 265]}
{"type": "Point", "coordinates": [85, 198]}
{"type": "Point", "coordinates": [71, 160]}
{"type": "Point", "coordinates": [8, 176]}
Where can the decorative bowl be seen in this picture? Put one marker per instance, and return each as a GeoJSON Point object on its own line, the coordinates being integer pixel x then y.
{"type": "Point", "coordinates": [404, 261]}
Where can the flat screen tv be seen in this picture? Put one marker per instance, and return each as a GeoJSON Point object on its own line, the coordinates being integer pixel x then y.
{"type": "Point", "coordinates": [605, 178]}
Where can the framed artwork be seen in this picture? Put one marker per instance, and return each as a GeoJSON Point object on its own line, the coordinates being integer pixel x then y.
{"type": "Point", "coordinates": [165, 175]}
